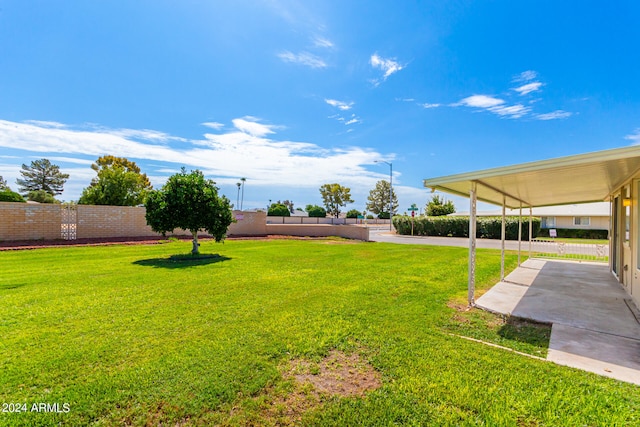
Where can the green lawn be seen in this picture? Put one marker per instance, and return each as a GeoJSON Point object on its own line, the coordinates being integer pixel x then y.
{"type": "Point", "coordinates": [125, 335]}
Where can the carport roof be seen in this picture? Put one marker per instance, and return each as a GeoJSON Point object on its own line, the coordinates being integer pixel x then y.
{"type": "Point", "coordinates": [582, 178]}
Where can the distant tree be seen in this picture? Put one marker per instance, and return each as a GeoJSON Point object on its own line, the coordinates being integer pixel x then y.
{"type": "Point", "coordinates": [10, 196]}
{"type": "Point", "coordinates": [41, 196]}
{"type": "Point", "coordinates": [191, 202]}
{"type": "Point", "coordinates": [119, 183]}
{"type": "Point", "coordinates": [3, 184]}
{"type": "Point", "coordinates": [335, 196]}
{"type": "Point", "coordinates": [378, 200]}
{"type": "Point", "coordinates": [438, 206]}
{"type": "Point", "coordinates": [278, 209]}
{"type": "Point", "coordinates": [316, 211]}
{"type": "Point", "coordinates": [41, 175]}
{"type": "Point", "coordinates": [353, 213]}
{"type": "Point", "coordinates": [289, 205]}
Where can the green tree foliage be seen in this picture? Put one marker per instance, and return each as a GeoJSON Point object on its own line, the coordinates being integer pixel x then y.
{"type": "Point", "coordinates": [10, 196]}
{"type": "Point", "coordinates": [118, 183]}
{"type": "Point", "coordinates": [191, 202]}
{"type": "Point", "coordinates": [41, 196]}
{"type": "Point", "coordinates": [3, 184]}
{"type": "Point", "coordinates": [289, 205]}
{"type": "Point", "coordinates": [278, 209]}
{"type": "Point", "coordinates": [378, 200]}
{"type": "Point", "coordinates": [316, 211]}
{"type": "Point", "coordinates": [353, 213]}
{"type": "Point", "coordinates": [438, 206]}
{"type": "Point", "coordinates": [41, 175]}
{"type": "Point", "coordinates": [335, 196]}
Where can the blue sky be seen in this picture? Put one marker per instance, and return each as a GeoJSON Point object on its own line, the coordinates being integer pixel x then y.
{"type": "Point", "coordinates": [295, 94]}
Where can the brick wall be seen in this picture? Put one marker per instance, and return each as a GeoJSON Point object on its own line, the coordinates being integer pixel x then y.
{"type": "Point", "coordinates": [28, 221]}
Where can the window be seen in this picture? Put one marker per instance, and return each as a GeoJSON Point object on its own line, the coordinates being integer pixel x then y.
{"type": "Point", "coordinates": [581, 220]}
{"type": "Point", "coordinates": [548, 222]}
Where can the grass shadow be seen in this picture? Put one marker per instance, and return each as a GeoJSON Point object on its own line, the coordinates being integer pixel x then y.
{"type": "Point", "coordinates": [182, 261]}
{"type": "Point", "coordinates": [526, 331]}
{"type": "Point", "coordinates": [11, 286]}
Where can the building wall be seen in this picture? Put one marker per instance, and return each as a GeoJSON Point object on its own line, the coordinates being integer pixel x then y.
{"type": "Point", "coordinates": [596, 223]}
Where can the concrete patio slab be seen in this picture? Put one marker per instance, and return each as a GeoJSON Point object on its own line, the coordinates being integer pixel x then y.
{"type": "Point", "coordinates": [592, 326]}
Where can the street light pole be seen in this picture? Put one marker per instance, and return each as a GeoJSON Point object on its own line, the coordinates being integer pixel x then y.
{"type": "Point", "coordinates": [242, 199]}
{"type": "Point", "coordinates": [390, 191]}
{"type": "Point", "coordinates": [238, 197]}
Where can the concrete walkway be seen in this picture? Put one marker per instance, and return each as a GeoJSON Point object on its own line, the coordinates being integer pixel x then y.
{"type": "Point", "coordinates": [593, 328]}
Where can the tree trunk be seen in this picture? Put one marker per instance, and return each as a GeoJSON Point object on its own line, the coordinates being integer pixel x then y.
{"type": "Point", "coordinates": [196, 245]}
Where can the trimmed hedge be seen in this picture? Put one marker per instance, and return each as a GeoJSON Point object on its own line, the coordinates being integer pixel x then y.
{"type": "Point", "coordinates": [576, 233]}
{"type": "Point", "coordinates": [458, 226]}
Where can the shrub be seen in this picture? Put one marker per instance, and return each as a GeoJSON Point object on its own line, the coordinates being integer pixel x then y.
{"type": "Point", "coordinates": [458, 226]}
{"type": "Point", "coordinates": [10, 196]}
{"type": "Point", "coordinates": [353, 213]}
{"type": "Point", "coordinates": [369, 216]}
{"type": "Point", "coordinates": [278, 210]}
{"type": "Point", "coordinates": [576, 233]}
{"type": "Point", "coordinates": [316, 211]}
{"type": "Point", "coordinates": [383, 215]}
{"type": "Point", "coordinates": [41, 196]}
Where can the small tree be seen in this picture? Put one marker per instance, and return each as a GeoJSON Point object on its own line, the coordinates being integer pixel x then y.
{"type": "Point", "coordinates": [438, 206]}
{"type": "Point", "coordinates": [119, 183]}
{"type": "Point", "coordinates": [316, 211]}
{"type": "Point", "coordinates": [3, 184]}
{"type": "Point", "coordinates": [278, 209]}
{"type": "Point", "coordinates": [42, 175]}
{"type": "Point", "coordinates": [378, 200]}
{"type": "Point", "coordinates": [335, 196]}
{"type": "Point", "coordinates": [41, 196]}
{"type": "Point", "coordinates": [191, 202]}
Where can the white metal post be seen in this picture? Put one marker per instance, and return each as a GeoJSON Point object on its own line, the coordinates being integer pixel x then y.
{"type": "Point", "coordinates": [519, 234]}
{"type": "Point", "coordinates": [503, 234]}
{"type": "Point", "coordinates": [530, 229]}
{"type": "Point", "coordinates": [472, 244]}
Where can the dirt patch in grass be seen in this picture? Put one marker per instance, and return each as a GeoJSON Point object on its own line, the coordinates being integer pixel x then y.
{"type": "Point", "coordinates": [312, 383]}
{"type": "Point", "coordinates": [337, 374]}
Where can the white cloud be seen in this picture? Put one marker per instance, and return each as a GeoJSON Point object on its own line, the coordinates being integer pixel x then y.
{"type": "Point", "coordinates": [511, 111]}
{"type": "Point", "coordinates": [558, 114]}
{"type": "Point", "coordinates": [322, 42]}
{"type": "Point", "coordinates": [250, 126]}
{"type": "Point", "coordinates": [303, 58]}
{"type": "Point", "coordinates": [213, 125]}
{"type": "Point", "coordinates": [528, 88]}
{"type": "Point", "coordinates": [427, 105]}
{"type": "Point", "coordinates": [339, 104]}
{"type": "Point", "coordinates": [526, 76]}
{"type": "Point", "coordinates": [494, 105]}
{"type": "Point", "coordinates": [46, 124]}
{"type": "Point", "coordinates": [634, 137]}
{"type": "Point", "coordinates": [388, 66]}
{"type": "Point", "coordinates": [352, 121]}
{"type": "Point", "coordinates": [480, 101]}
{"type": "Point", "coordinates": [249, 150]}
